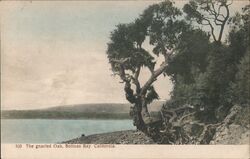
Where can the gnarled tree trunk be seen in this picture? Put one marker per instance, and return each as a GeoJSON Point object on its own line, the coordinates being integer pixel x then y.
{"type": "Point", "coordinates": [139, 113]}
{"type": "Point", "coordinates": [135, 113]}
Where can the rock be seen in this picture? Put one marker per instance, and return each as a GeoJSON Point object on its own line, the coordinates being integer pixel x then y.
{"type": "Point", "coordinates": [233, 134]}
{"type": "Point", "coordinates": [230, 133]}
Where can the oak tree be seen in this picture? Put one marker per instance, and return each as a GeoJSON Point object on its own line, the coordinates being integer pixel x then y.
{"type": "Point", "coordinates": [127, 52]}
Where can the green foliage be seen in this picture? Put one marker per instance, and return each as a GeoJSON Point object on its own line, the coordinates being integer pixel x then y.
{"type": "Point", "coordinates": [211, 75]}
{"type": "Point", "coordinates": [191, 55]}
{"type": "Point", "coordinates": [160, 24]}
{"type": "Point", "coordinates": [199, 10]}
{"type": "Point", "coordinates": [124, 44]}
{"type": "Point", "coordinates": [219, 74]}
{"type": "Point", "coordinates": [239, 36]}
{"type": "Point", "coordinates": [191, 9]}
{"type": "Point", "coordinates": [239, 46]}
{"type": "Point", "coordinates": [241, 87]}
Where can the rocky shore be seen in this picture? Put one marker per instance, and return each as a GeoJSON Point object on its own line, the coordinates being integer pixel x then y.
{"type": "Point", "coordinates": [225, 133]}
{"type": "Point", "coordinates": [119, 137]}
{"type": "Point", "coordinates": [233, 134]}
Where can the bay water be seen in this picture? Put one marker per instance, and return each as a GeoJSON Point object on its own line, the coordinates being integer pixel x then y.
{"type": "Point", "coordinates": [56, 131]}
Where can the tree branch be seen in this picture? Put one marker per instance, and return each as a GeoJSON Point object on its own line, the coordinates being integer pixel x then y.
{"type": "Point", "coordinates": [121, 61]}
{"type": "Point", "coordinates": [127, 77]}
{"type": "Point", "coordinates": [224, 22]}
{"type": "Point", "coordinates": [213, 16]}
{"type": "Point", "coordinates": [153, 78]}
{"type": "Point", "coordinates": [212, 28]}
{"type": "Point", "coordinates": [136, 80]}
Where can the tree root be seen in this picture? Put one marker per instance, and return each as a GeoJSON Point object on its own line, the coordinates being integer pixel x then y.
{"type": "Point", "coordinates": [172, 130]}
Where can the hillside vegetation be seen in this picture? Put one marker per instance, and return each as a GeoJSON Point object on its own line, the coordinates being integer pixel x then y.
{"type": "Point", "coordinates": [79, 111]}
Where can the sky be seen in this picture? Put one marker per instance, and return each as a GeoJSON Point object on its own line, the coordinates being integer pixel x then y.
{"type": "Point", "coordinates": [53, 53]}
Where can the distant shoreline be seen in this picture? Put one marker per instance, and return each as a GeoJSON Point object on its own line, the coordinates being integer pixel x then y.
{"type": "Point", "coordinates": [61, 115]}
{"type": "Point", "coordinates": [65, 119]}
{"type": "Point", "coordinates": [80, 111]}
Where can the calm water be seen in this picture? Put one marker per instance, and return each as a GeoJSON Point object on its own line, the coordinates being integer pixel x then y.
{"type": "Point", "coordinates": [52, 131]}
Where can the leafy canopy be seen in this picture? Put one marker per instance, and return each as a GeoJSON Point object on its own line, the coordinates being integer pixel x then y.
{"type": "Point", "coordinates": [158, 23]}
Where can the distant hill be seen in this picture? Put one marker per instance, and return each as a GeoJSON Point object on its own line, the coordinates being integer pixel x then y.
{"type": "Point", "coordinates": [90, 108]}
{"type": "Point", "coordinates": [78, 111]}
{"type": "Point", "coordinates": [103, 107]}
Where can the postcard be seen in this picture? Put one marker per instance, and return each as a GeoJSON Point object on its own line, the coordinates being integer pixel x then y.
{"type": "Point", "coordinates": [125, 79]}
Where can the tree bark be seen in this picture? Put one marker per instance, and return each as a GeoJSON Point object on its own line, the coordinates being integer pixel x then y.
{"type": "Point", "coordinates": [138, 118]}
{"type": "Point", "coordinates": [145, 113]}
{"type": "Point", "coordinates": [140, 114]}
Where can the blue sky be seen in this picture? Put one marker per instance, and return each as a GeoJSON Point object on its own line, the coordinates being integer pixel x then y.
{"type": "Point", "coordinates": [53, 53]}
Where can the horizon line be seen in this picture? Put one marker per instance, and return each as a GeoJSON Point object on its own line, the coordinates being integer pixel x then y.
{"type": "Point", "coordinates": [52, 106]}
